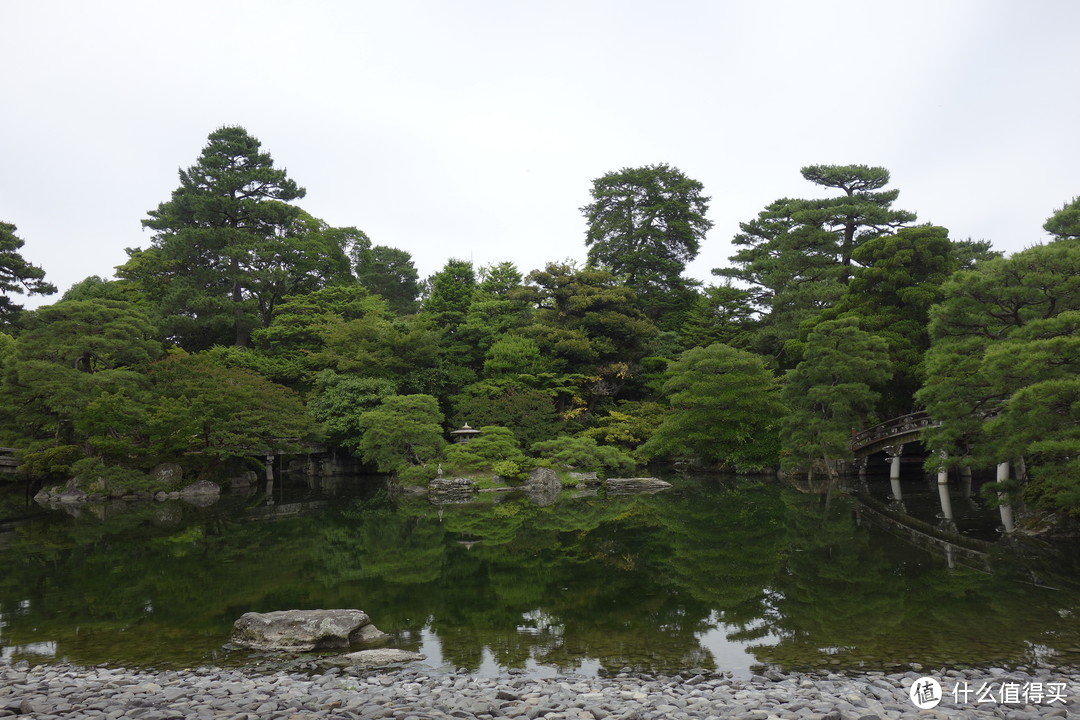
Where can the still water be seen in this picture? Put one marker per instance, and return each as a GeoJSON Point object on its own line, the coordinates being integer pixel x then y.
{"type": "Point", "coordinates": [720, 572]}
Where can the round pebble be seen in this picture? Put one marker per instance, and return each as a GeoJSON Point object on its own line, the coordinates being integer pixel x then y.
{"type": "Point", "coordinates": [421, 694]}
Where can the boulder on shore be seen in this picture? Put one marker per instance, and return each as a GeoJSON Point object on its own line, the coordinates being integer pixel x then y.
{"type": "Point", "coordinates": [303, 630]}
{"type": "Point", "coordinates": [167, 475]}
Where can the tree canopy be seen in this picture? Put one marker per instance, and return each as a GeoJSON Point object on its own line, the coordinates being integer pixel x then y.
{"type": "Point", "coordinates": [229, 245]}
{"type": "Point", "coordinates": [249, 326]}
{"type": "Point", "coordinates": [645, 224]}
{"type": "Point", "coordinates": [16, 274]}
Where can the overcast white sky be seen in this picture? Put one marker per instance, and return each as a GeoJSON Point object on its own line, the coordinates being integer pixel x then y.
{"type": "Point", "coordinates": [474, 128]}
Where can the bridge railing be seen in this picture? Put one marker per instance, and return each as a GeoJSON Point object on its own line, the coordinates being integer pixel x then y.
{"type": "Point", "coordinates": [895, 427]}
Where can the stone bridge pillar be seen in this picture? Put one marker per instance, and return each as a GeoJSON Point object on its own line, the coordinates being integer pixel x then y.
{"type": "Point", "coordinates": [1005, 508]}
{"type": "Point", "coordinates": [894, 452]}
{"type": "Point", "coordinates": [948, 521]}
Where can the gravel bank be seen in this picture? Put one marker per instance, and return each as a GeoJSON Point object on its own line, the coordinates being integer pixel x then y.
{"type": "Point", "coordinates": [63, 691]}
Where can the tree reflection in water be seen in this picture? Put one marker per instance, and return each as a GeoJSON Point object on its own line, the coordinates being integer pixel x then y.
{"type": "Point", "coordinates": [720, 572]}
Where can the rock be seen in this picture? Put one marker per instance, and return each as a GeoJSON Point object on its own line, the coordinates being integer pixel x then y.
{"type": "Point", "coordinates": [201, 493]}
{"type": "Point", "coordinates": [202, 487]}
{"type": "Point", "coordinates": [378, 658]}
{"type": "Point", "coordinates": [542, 479]}
{"type": "Point", "coordinates": [543, 486]}
{"type": "Point", "coordinates": [71, 495]}
{"type": "Point", "coordinates": [626, 486]}
{"type": "Point", "coordinates": [369, 634]}
{"type": "Point", "coordinates": [243, 480]}
{"type": "Point", "coordinates": [585, 479]}
{"type": "Point", "coordinates": [299, 630]}
{"type": "Point", "coordinates": [452, 486]}
{"type": "Point", "coordinates": [167, 475]}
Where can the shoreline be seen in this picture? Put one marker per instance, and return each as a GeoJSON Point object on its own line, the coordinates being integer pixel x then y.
{"type": "Point", "coordinates": [409, 693]}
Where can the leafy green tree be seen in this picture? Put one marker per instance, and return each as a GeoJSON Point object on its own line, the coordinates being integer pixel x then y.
{"type": "Point", "coordinates": [529, 412]}
{"type": "Point", "coordinates": [500, 305]}
{"type": "Point", "coordinates": [407, 350]}
{"type": "Point", "coordinates": [724, 409]}
{"type": "Point", "coordinates": [898, 279]}
{"type": "Point", "coordinates": [798, 255]}
{"type": "Point", "coordinates": [494, 447]}
{"type": "Point", "coordinates": [629, 425]}
{"type": "Point", "coordinates": [645, 224]}
{"type": "Point", "coordinates": [1065, 223]}
{"type": "Point", "coordinates": [514, 355]}
{"type": "Point", "coordinates": [68, 358]}
{"type": "Point", "coordinates": [829, 394]}
{"type": "Point", "coordinates": [451, 293]}
{"type": "Point", "coordinates": [17, 275]}
{"type": "Point", "coordinates": [585, 317]}
{"type": "Point", "coordinates": [289, 349]}
{"type": "Point", "coordinates": [221, 412]}
{"type": "Point", "coordinates": [1002, 367]}
{"type": "Point", "coordinates": [404, 431]}
{"type": "Point", "coordinates": [229, 245]}
{"type": "Point", "coordinates": [721, 313]}
{"type": "Point", "coordinates": [7, 349]}
{"type": "Point", "coordinates": [589, 325]}
{"type": "Point", "coordinates": [583, 453]}
{"type": "Point", "coordinates": [340, 401]}
{"type": "Point", "coordinates": [389, 272]}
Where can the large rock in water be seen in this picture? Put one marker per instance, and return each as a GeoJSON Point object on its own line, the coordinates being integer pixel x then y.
{"type": "Point", "coordinates": [543, 486]}
{"type": "Point", "coordinates": [303, 630]}
{"type": "Point", "coordinates": [627, 486]}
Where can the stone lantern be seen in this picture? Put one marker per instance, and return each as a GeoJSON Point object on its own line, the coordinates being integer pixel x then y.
{"type": "Point", "coordinates": [464, 434]}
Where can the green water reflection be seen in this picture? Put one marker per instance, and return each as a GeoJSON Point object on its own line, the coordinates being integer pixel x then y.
{"type": "Point", "coordinates": [718, 573]}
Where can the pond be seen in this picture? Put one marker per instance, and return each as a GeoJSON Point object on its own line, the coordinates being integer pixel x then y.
{"type": "Point", "coordinates": [719, 572]}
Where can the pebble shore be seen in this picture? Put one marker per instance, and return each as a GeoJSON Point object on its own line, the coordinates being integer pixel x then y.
{"type": "Point", "coordinates": [65, 691]}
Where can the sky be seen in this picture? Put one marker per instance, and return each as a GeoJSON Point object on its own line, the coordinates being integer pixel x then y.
{"type": "Point", "coordinates": [473, 129]}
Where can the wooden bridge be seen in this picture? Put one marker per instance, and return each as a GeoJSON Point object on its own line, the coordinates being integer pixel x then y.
{"type": "Point", "coordinates": [891, 434]}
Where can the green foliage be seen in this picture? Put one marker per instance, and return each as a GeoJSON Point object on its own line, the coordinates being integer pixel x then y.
{"type": "Point", "coordinates": [891, 293]}
{"type": "Point", "coordinates": [583, 453]}
{"type": "Point", "coordinates": [340, 401]}
{"type": "Point", "coordinates": [724, 409]}
{"type": "Point", "coordinates": [829, 394]}
{"type": "Point", "coordinates": [590, 327]}
{"type": "Point", "coordinates": [389, 273]}
{"type": "Point", "coordinates": [721, 313]}
{"type": "Point", "coordinates": [494, 446]}
{"type": "Point", "coordinates": [69, 354]}
{"type": "Point", "coordinates": [629, 426]}
{"type": "Point", "coordinates": [645, 224]}
{"type": "Point", "coordinates": [229, 247]}
{"type": "Point", "coordinates": [7, 349]}
{"type": "Point", "coordinates": [50, 463]}
{"type": "Point", "coordinates": [221, 412]}
{"type": "Point", "coordinates": [799, 254]}
{"type": "Point", "coordinates": [405, 430]}
{"type": "Point", "coordinates": [17, 275]}
{"type": "Point", "coordinates": [95, 476]}
{"type": "Point", "coordinates": [1065, 223]}
{"type": "Point", "coordinates": [451, 294]}
{"type": "Point", "coordinates": [513, 355]}
{"type": "Point", "coordinates": [528, 412]}
{"type": "Point", "coordinates": [499, 307]}
{"type": "Point", "coordinates": [1003, 366]}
